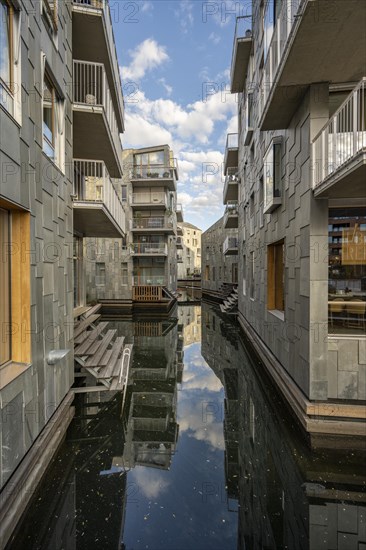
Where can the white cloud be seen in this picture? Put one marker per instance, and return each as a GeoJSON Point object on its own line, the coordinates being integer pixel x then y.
{"type": "Point", "coordinates": [184, 13]}
{"type": "Point", "coordinates": [146, 6]}
{"type": "Point", "coordinates": [167, 87]}
{"type": "Point", "coordinates": [151, 482]}
{"type": "Point", "coordinates": [215, 38]}
{"type": "Point", "coordinates": [142, 133]}
{"type": "Point", "coordinates": [147, 56]}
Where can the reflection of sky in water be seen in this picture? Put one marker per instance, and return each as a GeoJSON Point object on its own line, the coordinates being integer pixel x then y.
{"type": "Point", "coordinates": [185, 507]}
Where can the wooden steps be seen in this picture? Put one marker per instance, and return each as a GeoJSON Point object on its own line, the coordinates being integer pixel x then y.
{"type": "Point", "coordinates": [101, 353]}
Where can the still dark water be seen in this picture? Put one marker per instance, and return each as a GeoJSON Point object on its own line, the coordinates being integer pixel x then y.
{"type": "Point", "coordinates": [203, 455]}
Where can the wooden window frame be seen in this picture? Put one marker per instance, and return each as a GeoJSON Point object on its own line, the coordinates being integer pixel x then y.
{"type": "Point", "coordinates": [20, 286]}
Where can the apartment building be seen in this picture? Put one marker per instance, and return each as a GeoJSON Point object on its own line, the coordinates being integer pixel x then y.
{"type": "Point", "coordinates": [61, 114]}
{"type": "Point", "coordinates": [219, 256]}
{"type": "Point", "coordinates": [189, 250]}
{"type": "Point", "coordinates": [143, 265]}
{"type": "Point", "coordinates": [297, 169]}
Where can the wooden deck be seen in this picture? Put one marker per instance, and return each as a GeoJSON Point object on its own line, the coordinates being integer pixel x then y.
{"type": "Point", "coordinates": [100, 352]}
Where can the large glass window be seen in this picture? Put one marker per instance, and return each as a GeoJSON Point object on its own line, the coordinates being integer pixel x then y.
{"type": "Point", "coordinates": [276, 276]}
{"type": "Point", "coordinates": [48, 118]}
{"type": "Point", "coordinates": [272, 176]}
{"type": "Point", "coordinates": [6, 46]}
{"type": "Point", "coordinates": [5, 320]}
{"type": "Point", "coordinates": [272, 11]}
{"type": "Point", "coordinates": [347, 270]}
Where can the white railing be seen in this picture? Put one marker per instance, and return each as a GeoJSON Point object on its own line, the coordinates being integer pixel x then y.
{"type": "Point", "coordinates": [342, 138]}
{"type": "Point", "coordinates": [157, 198]}
{"type": "Point", "coordinates": [160, 222]}
{"type": "Point", "coordinates": [230, 243]}
{"type": "Point", "coordinates": [91, 89]}
{"type": "Point", "coordinates": [147, 280]}
{"type": "Point", "coordinates": [179, 208]}
{"type": "Point", "coordinates": [149, 248]}
{"type": "Point", "coordinates": [104, 6]}
{"type": "Point", "coordinates": [232, 141]}
{"type": "Point", "coordinates": [275, 45]}
{"type": "Point", "coordinates": [92, 183]}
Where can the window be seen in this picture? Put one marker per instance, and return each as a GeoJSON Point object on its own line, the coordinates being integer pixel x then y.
{"type": "Point", "coordinates": [5, 349]}
{"type": "Point", "coordinates": [261, 201]}
{"type": "Point", "coordinates": [251, 214]}
{"type": "Point", "coordinates": [207, 273]}
{"type": "Point", "coordinates": [244, 275]}
{"type": "Point", "coordinates": [53, 120]}
{"type": "Point", "coordinates": [49, 14]}
{"type": "Point", "coordinates": [213, 273]}
{"type": "Point", "coordinates": [15, 287]}
{"type": "Point", "coordinates": [48, 118]}
{"type": "Point", "coordinates": [220, 273]}
{"type": "Point", "coordinates": [275, 276]}
{"type": "Point", "coordinates": [10, 66]}
{"type": "Point", "coordinates": [271, 14]}
{"type": "Point", "coordinates": [124, 193]}
{"type": "Point", "coordinates": [78, 270]}
{"type": "Point", "coordinates": [100, 274]}
{"type": "Point", "coordinates": [272, 176]}
{"type": "Point", "coordinates": [124, 271]}
{"type": "Point", "coordinates": [347, 270]}
{"type": "Point", "coordinates": [6, 44]}
{"type": "Point", "coordinates": [252, 275]}
{"type": "Point", "coordinates": [198, 252]}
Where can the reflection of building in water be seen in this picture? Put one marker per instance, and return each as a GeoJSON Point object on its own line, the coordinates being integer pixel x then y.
{"type": "Point", "coordinates": [190, 318]}
{"type": "Point", "coordinates": [151, 430]}
{"type": "Point", "coordinates": [85, 484]}
{"type": "Point", "coordinates": [289, 497]}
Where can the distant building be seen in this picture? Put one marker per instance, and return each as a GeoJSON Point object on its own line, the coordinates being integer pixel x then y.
{"type": "Point", "coordinates": [144, 263]}
{"type": "Point", "coordinates": [219, 257]}
{"type": "Point", "coordinates": [189, 250]}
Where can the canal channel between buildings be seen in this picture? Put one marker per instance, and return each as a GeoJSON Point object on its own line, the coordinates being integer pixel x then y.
{"type": "Point", "coordinates": [203, 455]}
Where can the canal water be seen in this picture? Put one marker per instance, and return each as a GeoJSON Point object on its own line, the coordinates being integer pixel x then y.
{"type": "Point", "coordinates": [201, 455]}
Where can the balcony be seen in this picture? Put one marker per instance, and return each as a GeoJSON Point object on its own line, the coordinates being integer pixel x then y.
{"type": "Point", "coordinates": [149, 201]}
{"type": "Point", "coordinates": [231, 216]}
{"type": "Point", "coordinates": [179, 211]}
{"type": "Point", "coordinates": [241, 52]}
{"type": "Point", "coordinates": [310, 42]}
{"type": "Point", "coordinates": [339, 150]}
{"type": "Point", "coordinates": [180, 231]}
{"type": "Point", "coordinates": [179, 259]}
{"type": "Point", "coordinates": [146, 280]}
{"type": "Point", "coordinates": [149, 249]}
{"type": "Point", "coordinates": [96, 132]}
{"type": "Point", "coordinates": [230, 246]}
{"type": "Point", "coordinates": [156, 175]}
{"type": "Point", "coordinates": [231, 152]}
{"type": "Point", "coordinates": [158, 224]}
{"type": "Point", "coordinates": [179, 243]}
{"type": "Point", "coordinates": [93, 40]}
{"type": "Point", "coordinates": [98, 210]}
{"type": "Point", "coordinates": [231, 186]}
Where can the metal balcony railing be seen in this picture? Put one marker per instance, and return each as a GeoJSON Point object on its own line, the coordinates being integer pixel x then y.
{"type": "Point", "coordinates": [149, 248]}
{"type": "Point", "coordinates": [91, 89]}
{"type": "Point", "coordinates": [231, 178]}
{"type": "Point", "coordinates": [149, 198]}
{"type": "Point", "coordinates": [274, 51]}
{"type": "Point", "coordinates": [232, 208]}
{"type": "Point", "coordinates": [92, 183]}
{"type": "Point", "coordinates": [342, 138]}
{"type": "Point", "coordinates": [152, 223]}
{"type": "Point", "coordinates": [103, 5]}
{"type": "Point", "coordinates": [155, 171]}
{"type": "Point", "coordinates": [243, 29]}
{"type": "Point", "coordinates": [230, 243]}
{"type": "Point", "coordinates": [232, 141]}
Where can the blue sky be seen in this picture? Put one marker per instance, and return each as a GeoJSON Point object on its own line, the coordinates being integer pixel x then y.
{"type": "Point", "coordinates": [175, 58]}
